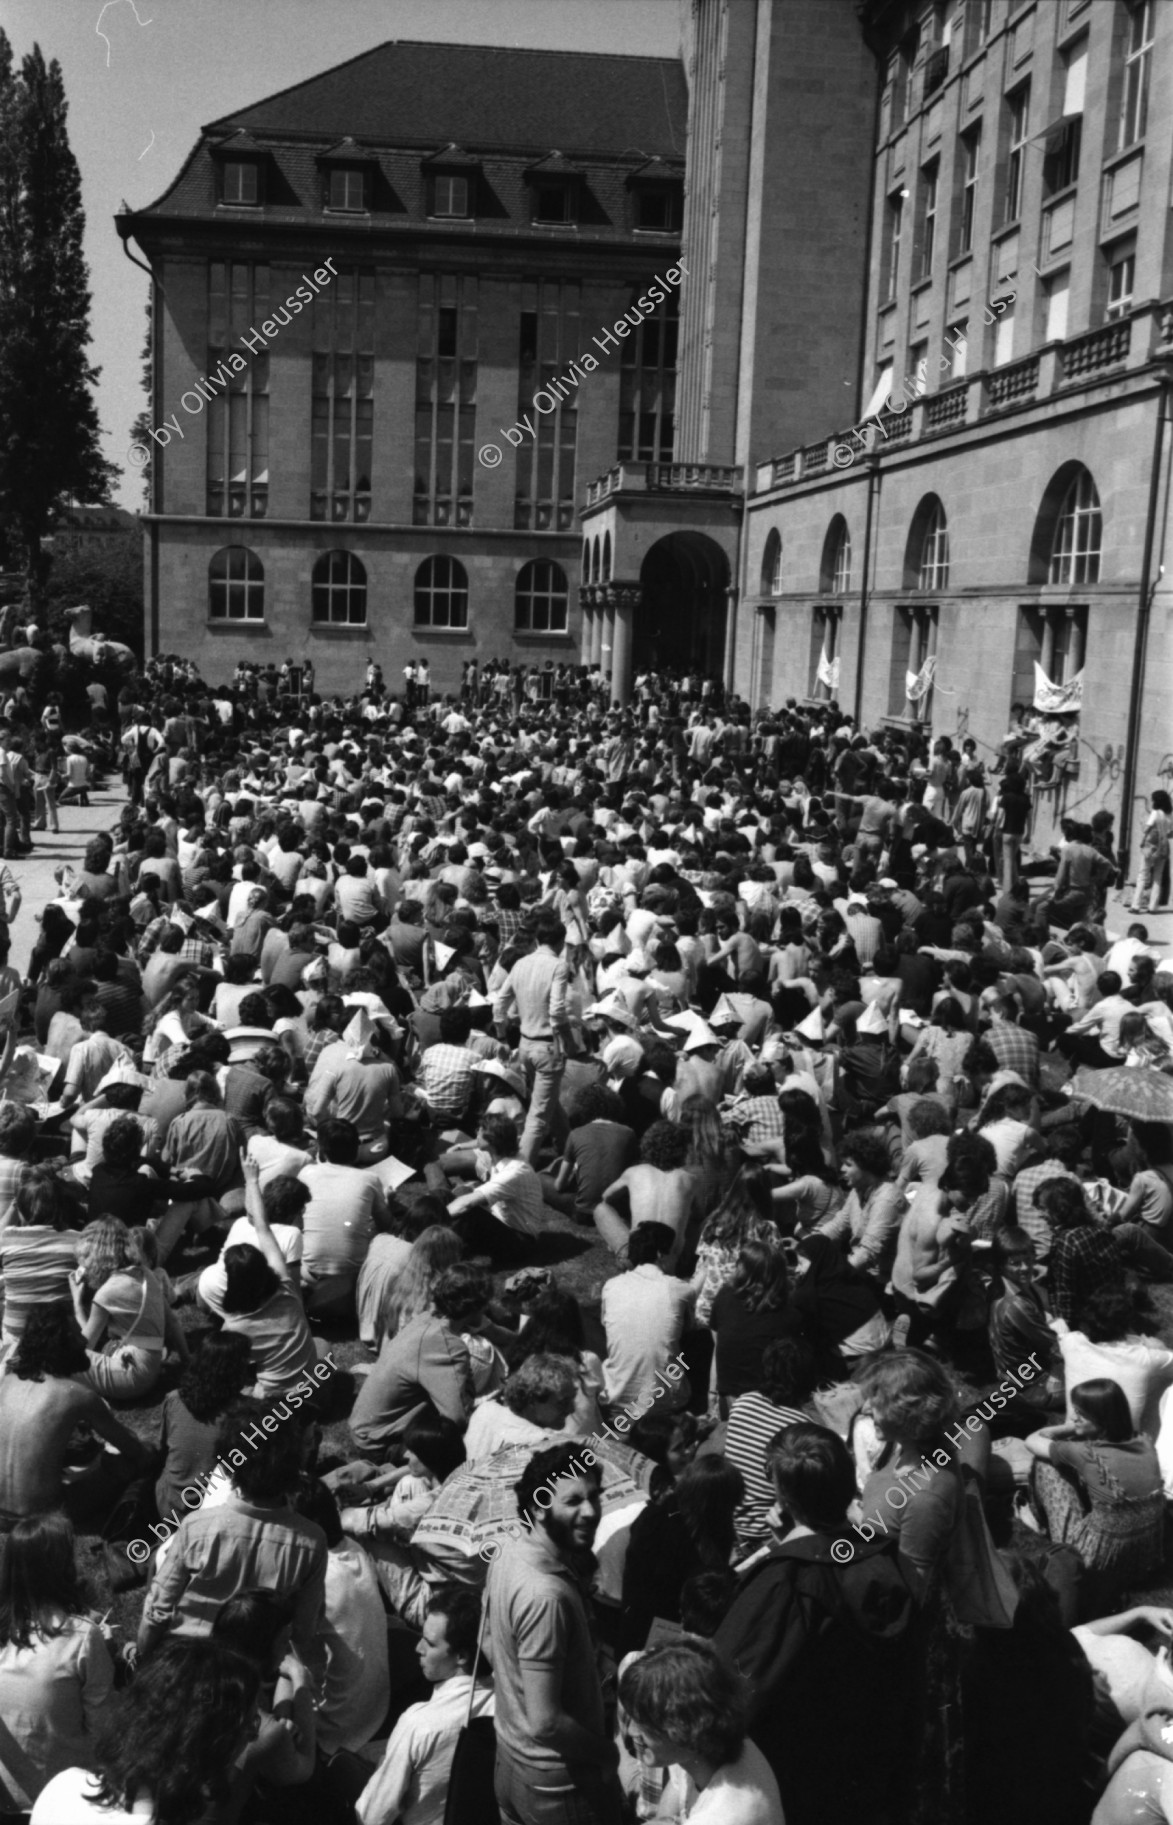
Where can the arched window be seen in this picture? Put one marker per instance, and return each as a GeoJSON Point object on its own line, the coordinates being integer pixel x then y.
{"type": "Point", "coordinates": [541, 598]}
{"type": "Point", "coordinates": [236, 585]}
{"type": "Point", "coordinates": [606, 577]}
{"type": "Point", "coordinates": [930, 554]}
{"type": "Point", "coordinates": [585, 575]}
{"type": "Point", "coordinates": [772, 565]}
{"type": "Point", "coordinates": [1075, 549]}
{"type": "Point", "coordinates": [835, 573]}
{"type": "Point", "coordinates": [596, 551]}
{"type": "Point", "coordinates": [339, 590]}
{"type": "Point", "coordinates": [441, 593]}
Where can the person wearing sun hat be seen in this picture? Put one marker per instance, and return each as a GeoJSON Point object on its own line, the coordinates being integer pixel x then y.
{"type": "Point", "coordinates": [355, 1082]}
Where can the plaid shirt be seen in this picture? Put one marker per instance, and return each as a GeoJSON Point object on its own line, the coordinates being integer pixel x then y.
{"type": "Point", "coordinates": [756, 1119]}
{"type": "Point", "coordinates": [510, 925]}
{"type": "Point", "coordinates": [12, 1174]}
{"type": "Point", "coordinates": [1027, 1214]}
{"type": "Point", "coordinates": [1082, 1260]}
{"type": "Point", "coordinates": [1015, 1049]}
{"type": "Point", "coordinates": [317, 1045]}
{"type": "Point", "coordinates": [444, 1079]}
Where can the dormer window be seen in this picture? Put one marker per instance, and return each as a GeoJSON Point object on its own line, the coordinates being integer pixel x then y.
{"type": "Point", "coordinates": [659, 209]}
{"type": "Point", "coordinates": [348, 188]}
{"type": "Point", "coordinates": [657, 196]}
{"type": "Point", "coordinates": [242, 182]}
{"type": "Point", "coordinates": [554, 203]}
{"type": "Point", "coordinates": [450, 196]}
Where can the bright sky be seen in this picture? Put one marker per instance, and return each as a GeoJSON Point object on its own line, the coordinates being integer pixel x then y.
{"type": "Point", "coordinates": [137, 103]}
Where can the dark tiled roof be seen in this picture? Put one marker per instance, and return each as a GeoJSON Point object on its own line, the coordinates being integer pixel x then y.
{"type": "Point", "coordinates": [485, 96]}
{"type": "Point", "coordinates": [294, 187]}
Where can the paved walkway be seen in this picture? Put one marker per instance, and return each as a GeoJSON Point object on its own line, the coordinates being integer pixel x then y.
{"type": "Point", "coordinates": [35, 872]}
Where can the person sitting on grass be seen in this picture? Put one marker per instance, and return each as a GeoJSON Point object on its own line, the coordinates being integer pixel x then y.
{"type": "Point", "coordinates": [501, 1217]}
{"type": "Point", "coordinates": [659, 1190]}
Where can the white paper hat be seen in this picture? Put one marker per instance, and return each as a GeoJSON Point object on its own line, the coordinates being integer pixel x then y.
{"type": "Point", "coordinates": [613, 1007]}
{"type": "Point", "coordinates": [871, 1021]}
{"type": "Point", "coordinates": [358, 1032]}
{"type": "Point", "coordinates": [812, 1027]}
{"type": "Point", "coordinates": [703, 1035]}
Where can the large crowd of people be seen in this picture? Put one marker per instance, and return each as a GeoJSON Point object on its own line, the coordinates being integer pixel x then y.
{"type": "Point", "coordinates": [578, 1265]}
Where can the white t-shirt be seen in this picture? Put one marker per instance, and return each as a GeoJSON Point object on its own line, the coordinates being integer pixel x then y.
{"type": "Point", "coordinates": [67, 1800]}
{"type": "Point", "coordinates": [213, 1282]}
{"type": "Point", "coordinates": [1141, 1366]}
{"type": "Point", "coordinates": [743, 1792]}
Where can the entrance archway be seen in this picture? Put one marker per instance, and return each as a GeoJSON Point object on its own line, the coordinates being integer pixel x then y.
{"type": "Point", "coordinates": [680, 622]}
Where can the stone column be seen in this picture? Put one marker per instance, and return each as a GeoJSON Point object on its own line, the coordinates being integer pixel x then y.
{"type": "Point", "coordinates": [627, 598]}
{"type": "Point", "coordinates": [595, 654]}
{"type": "Point", "coordinates": [607, 616]}
{"type": "Point", "coordinates": [586, 599]}
{"type": "Point", "coordinates": [730, 637]}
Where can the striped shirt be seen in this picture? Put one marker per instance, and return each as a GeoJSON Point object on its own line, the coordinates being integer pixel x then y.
{"type": "Point", "coordinates": [753, 1422]}
{"type": "Point", "coordinates": [35, 1264]}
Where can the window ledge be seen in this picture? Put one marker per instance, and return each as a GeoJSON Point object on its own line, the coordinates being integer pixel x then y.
{"type": "Point", "coordinates": [1060, 196]}
{"type": "Point", "coordinates": [528, 634]}
{"type": "Point", "coordinates": [334, 630]}
{"type": "Point", "coordinates": [1122, 157]}
{"type": "Point", "coordinates": [223, 625]}
{"type": "Point", "coordinates": [338, 209]}
{"type": "Point", "coordinates": [254, 207]}
{"type": "Point", "coordinates": [442, 633]}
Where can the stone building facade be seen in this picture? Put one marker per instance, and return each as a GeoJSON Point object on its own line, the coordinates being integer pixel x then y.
{"type": "Point", "coordinates": [360, 287]}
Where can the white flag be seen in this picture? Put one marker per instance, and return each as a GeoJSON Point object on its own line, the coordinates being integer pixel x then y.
{"type": "Point", "coordinates": [1057, 699]}
{"type": "Point", "coordinates": [919, 684]}
{"type": "Point", "coordinates": [827, 671]}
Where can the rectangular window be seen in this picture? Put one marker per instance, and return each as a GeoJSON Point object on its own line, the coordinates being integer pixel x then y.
{"type": "Point", "coordinates": [342, 398]}
{"type": "Point", "coordinates": [892, 248]}
{"type": "Point", "coordinates": [348, 187]}
{"type": "Point", "coordinates": [647, 387]}
{"type": "Point", "coordinates": [554, 203]}
{"type": "Point", "coordinates": [1004, 338]}
{"type": "Point", "coordinates": [1018, 105]}
{"type": "Point", "coordinates": [237, 469]}
{"type": "Point", "coordinates": [928, 228]}
{"type": "Point", "coordinates": [1058, 290]}
{"type": "Point", "coordinates": [1121, 273]}
{"type": "Point", "coordinates": [1053, 638]}
{"type": "Point", "coordinates": [445, 400]}
{"type": "Point", "coordinates": [916, 373]}
{"type": "Point", "coordinates": [914, 643]}
{"type": "Point", "coordinates": [1061, 155]}
{"type": "Point", "coordinates": [970, 149]}
{"type": "Point", "coordinates": [659, 209]}
{"type": "Point", "coordinates": [955, 335]}
{"type": "Point", "coordinates": [549, 339]}
{"type": "Point", "coordinates": [450, 196]}
{"type": "Point", "coordinates": [242, 181]}
{"type": "Point", "coordinates": [825, 625]}
{"type": "Point", "coordinates": [977, 24]}
{"type": "Point", "coordinates": [1138, 52]}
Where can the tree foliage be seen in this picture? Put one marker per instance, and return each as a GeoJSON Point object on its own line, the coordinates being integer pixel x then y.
{"type": "Point", "coordinates": [49, 432]}
{"type": "Point", "coordinates": [108, 574]}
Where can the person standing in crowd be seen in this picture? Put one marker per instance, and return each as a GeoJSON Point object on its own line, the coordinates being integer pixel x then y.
{"type": "Point", "coordinates": [555, 1762]}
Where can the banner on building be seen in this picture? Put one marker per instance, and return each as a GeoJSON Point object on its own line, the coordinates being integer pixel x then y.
{"type": "Point", "coordinates": [919, 684]}
{"type": "Point", "coordinates": [1057, 699]}
{"type": "Point", "coordinates": [827, 670]}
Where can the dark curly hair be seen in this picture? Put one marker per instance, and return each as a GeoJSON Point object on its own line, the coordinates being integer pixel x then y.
{"type": "Point", "coordinates": [176, 1730]}
{"type": "Point", "coordinates": [216, 1376]}
{"type": "Point", "coordinates": [665, 1145]}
